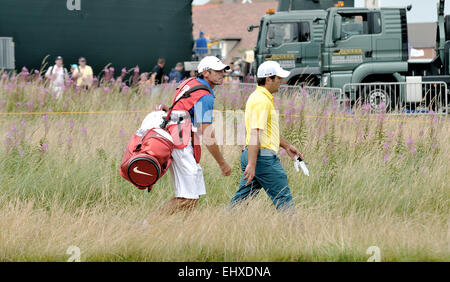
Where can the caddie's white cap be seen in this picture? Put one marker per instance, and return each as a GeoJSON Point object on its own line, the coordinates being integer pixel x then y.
{"type": "Point", "coordinates": [211, 63]}
{"type": "Point", "coordinates": [270, 68]}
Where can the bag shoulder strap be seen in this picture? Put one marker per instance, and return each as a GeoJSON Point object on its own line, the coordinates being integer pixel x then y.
{"type": "Point", "coordinates": [188, 93]}
{"type": "Point", "coordinates": [185, 95]}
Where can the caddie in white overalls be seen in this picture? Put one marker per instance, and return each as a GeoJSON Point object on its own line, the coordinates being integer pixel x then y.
{"type": "Point", "coordinates": [187, 174]}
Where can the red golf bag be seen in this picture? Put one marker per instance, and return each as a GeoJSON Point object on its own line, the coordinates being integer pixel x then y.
{"type": "Point", "coordinates": [147, 158]}
{"type": "Point", "coordinates": [148, 154]}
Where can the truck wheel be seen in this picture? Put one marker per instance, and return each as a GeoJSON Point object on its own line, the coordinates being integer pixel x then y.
{"type": "Point", "coordinates": [374, 95]}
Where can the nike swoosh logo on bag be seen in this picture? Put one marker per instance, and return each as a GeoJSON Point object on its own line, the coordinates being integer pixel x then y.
{"type": "Point", "coordinates": [141, 172]}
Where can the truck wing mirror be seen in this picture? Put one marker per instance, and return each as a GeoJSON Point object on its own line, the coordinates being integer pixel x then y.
{"type": "Point", "coordinates": [337, 26]}
{"type": "Point", "coordinates": [316, 20]}
{"type": "Point", "coordinates": [251, 27]}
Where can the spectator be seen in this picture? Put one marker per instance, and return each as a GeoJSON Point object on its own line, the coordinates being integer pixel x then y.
{"type": "Point", "coordinates": [192, 73]}
{"type": "Point", "coordinates": [57, 75]}
{"type": "Point", "coordinates": [201, 46]}
{"type": "Point", "coordinates": [144, 82]}
{"type": "Point", "coordinates": [157, 72]}
{"type": "Point", "coordinates": [177, 73]}
{"type": "Point", "coordinates": [83, 74]}
{"type": "Point", "coordinates": [237, 70]}
{"type": "Point", "coordinates": [72, 69]}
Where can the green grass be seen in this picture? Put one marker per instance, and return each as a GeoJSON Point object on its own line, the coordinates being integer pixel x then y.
{"type": "Point", "coordinates": [361, 193]}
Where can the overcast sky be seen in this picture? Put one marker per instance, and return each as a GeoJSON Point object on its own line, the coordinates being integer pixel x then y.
{"type": "Point", "coordinates": [422, 10]}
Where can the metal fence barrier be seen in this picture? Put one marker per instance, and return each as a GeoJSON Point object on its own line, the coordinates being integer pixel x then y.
{"type": "Point", "coordinates": [398, 97]}
{"type": "Point", "coordinates": [405, 98]}
{"type": "Point", "coordinates": [311, 92]}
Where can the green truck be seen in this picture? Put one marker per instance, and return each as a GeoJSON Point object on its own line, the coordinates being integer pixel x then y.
{"type": "Point", "coordinates": [293, 39]}
{"type": "Point", "coordinates": [359, 48]}
{"type": "Point", "coordinates": [365, 52]}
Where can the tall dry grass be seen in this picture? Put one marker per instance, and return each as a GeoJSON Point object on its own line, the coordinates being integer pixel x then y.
{"type": "Point", "coordinates": [376, 180]}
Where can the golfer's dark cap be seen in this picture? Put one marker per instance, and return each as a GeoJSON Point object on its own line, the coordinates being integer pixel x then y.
{"type": "Point", "coordinates": [58, 58]}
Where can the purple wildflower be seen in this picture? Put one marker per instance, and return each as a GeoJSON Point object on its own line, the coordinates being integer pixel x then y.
{"type": "Point", "coordinates": [44, 147]}
{"type": "Point", "coordinates": [410, 141]}
{"type": "Point", "coordinates": [421, 132]}
{"type": "Point", "coordinates": [324, 160]}
{"type": "Point", "coordinates": [303, 91]}
{"type": "Point", "coordinates": [366, 107]}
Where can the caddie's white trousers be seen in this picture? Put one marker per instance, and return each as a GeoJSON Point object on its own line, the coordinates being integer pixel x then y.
{"type": "Point", "coordinates": [187, 175]}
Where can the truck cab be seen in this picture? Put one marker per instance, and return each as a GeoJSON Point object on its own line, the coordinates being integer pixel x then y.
{"type": "Point", "coordinates": [293, 39]}
{"type": "Point", "coordinates": [363, 46]}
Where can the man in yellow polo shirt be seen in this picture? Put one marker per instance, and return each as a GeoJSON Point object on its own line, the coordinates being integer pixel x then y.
{"type": "Point", "coordinates": [259, 161]}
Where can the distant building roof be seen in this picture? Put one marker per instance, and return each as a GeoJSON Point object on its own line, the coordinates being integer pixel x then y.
{"type": "Point", "coordinates": [224, 21]}
{"type": "Point", "coordinates": [422, 35]}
